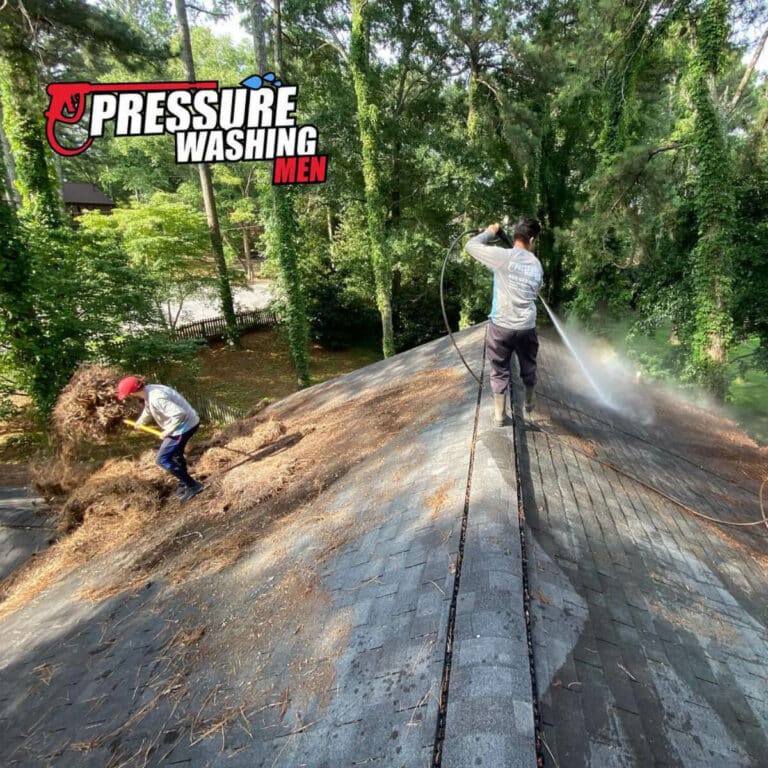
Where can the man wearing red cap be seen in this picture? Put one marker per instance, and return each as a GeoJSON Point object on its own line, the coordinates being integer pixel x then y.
{"type": "Point", "coordinates": [178, 421]}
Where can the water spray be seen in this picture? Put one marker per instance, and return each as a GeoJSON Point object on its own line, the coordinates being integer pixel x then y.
{"type": "Point", "coordinates": [501, 235]}
{"type": "Point", "coordinates": [763, 521]}
{"type": "Point", "coordinates": [603, 397]}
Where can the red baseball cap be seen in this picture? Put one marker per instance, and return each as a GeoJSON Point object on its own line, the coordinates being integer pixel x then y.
{"type": "Point", "coordinates": [128, 385]}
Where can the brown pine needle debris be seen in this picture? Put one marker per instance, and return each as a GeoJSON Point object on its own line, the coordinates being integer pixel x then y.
{"type": "Point", "coordinates": [259, 472]}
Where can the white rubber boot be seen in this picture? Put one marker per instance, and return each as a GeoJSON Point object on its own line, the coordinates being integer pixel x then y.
{"type": "Point", "coordinates": [499, 408]}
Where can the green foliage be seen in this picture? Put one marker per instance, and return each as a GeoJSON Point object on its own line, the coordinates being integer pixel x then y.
{"type": "Point", "coordinates": [167, 240]}
{"type": "Point", "coordinates": [750, 315]}
{"type": "Point", "coordinates": [338, 280]}
{"type": "Point", "coordinates": [85, 296]}
{"type": "Point", "coordinates": [607, 119]}
{"type": "Point", "coordinates": [157, 355]}
{"type": "Point", "coordinates": [66, 296]}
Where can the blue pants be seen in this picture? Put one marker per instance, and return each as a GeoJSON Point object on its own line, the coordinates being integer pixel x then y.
{"type": "Point", "coordinates": [171, 456]}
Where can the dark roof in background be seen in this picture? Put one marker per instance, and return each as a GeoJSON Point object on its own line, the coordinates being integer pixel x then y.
{"type": "Point", "coordinates": [84, 194]}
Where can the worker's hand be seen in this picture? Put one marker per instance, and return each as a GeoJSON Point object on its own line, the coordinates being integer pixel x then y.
{"type": "Point", "coordinates": [165, 435]}
{"type": "Point", "coordinates": [494, 228]}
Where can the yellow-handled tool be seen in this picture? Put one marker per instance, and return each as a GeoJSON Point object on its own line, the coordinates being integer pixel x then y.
{"type": "Point", "coordinates": [151, 430]}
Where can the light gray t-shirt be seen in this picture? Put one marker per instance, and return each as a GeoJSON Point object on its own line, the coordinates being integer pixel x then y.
{"type": "Point", "coordinates": [517, 278]}
{"type": "Point", "coordinates": [169, 409]}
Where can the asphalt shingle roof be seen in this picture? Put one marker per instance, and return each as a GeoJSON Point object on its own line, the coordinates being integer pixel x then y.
{"type": "Point", "coordinates": [510, 593]}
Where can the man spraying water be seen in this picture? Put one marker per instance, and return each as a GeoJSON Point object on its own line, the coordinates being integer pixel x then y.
{"type": "Point", "coordinates": [517, 279]}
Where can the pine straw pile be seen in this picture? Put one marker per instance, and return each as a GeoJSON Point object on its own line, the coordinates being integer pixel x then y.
{"type": "Point", "coordinates": [87, 409]}
{"type": "Point", "coordinates": [707, 436]}
{"type": "Point", "coordinates": [257, 472]}
{"type": "Point", "coordinates": [56, 479]}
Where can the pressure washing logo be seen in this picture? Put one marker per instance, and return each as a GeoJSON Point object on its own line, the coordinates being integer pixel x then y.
{"type": "Point", "coordinates": [253, 122]}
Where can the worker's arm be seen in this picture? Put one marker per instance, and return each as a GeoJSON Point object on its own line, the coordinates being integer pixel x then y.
{"type": "Point", "coordinates": [490, 255]}
{"type": "Point", "coordinates": [144, 419]}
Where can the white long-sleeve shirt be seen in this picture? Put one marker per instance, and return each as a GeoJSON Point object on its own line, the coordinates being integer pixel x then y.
{"type": "Point", "coordinates": [169, 409]}
{"type": "Point", "coordinates": [517, 279]}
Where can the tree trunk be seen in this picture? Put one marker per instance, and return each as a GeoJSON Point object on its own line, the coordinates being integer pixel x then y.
{"type": "Point", "coordinates": [24, 126]}
{"type": "Point", "coordinates": [7, 158]}
{"type": "Point", "coordinates": [714, 202]}
{"type": "Point", "coordinates": [209, 199]}
{"type": "Point", "coordinates": [247, 253]}
{"type": "Point", "coordinates": [368, 114]}
{"type": "Point", "coordinates": [329, 220]}
{"type": "Point", "coordinates": [283, 242]}
{"type": "Point", "coordinates": [259, 47]}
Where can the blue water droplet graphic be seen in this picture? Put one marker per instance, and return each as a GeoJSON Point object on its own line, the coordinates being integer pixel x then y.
{"type": "Point", "coordinates": [254, 81]}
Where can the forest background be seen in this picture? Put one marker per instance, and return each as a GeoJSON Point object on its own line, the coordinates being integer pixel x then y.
{"type": "Point", "coordinates": [635, 131]}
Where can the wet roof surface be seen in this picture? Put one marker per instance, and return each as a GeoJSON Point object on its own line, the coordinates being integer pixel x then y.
{"type": "Point", "coordinates": [647, 633]}
{"type": "Point", "coordinates": [649, 624]}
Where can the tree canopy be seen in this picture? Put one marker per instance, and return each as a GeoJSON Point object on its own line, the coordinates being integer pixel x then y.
{"type": "Point", "coordinates": [634, 131]}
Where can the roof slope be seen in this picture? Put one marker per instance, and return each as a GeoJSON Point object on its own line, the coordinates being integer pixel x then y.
{"type": "Point", "coordinates": [374, 612]}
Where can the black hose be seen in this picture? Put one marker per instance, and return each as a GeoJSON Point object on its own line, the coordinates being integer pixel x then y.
{"type": "Point", "coordinates": [442, 301]}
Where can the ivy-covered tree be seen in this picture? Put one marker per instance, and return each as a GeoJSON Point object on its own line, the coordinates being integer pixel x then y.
{"type": "Point", "coordinates": [281, 242]}
{"type": "Point", "coordinates": [18, 319]}
{"type": "Point", "coordinates": [375, 208]}
{"type": "Point", "coordinates": [712, 257]}
{"type": "Point", "coordinates": [37, 332]}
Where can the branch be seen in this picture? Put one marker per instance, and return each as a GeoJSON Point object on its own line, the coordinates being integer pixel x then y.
{"type": "Point", "coordinates": [248, 181]}
{"type": "Point", "coordinates": [748, 73]}
{"type": "Point", "coordinates": [217, 14]}
{"type": "Point", "coordinates": [491, 89]}
{"type": "Point", "coordinates": [335, 47]}
{"type": "Point", "coordinates": [178, 313]}
{"type": "Point", "coordinates": [744, 357]}
{"type": "Point", "coordinates": [651, 154]}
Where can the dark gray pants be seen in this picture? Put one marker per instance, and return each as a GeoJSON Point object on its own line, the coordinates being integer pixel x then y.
{"type": "Point", "coordinates": [502, 344]}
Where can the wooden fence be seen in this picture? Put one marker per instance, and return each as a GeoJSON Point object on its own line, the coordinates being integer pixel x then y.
{"type": "Point", "coordinates": [211, 410]}
{"type": "Point", "coordinates": [215, 328]}
{"type": "Point", "coordinates": [212, 329]}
